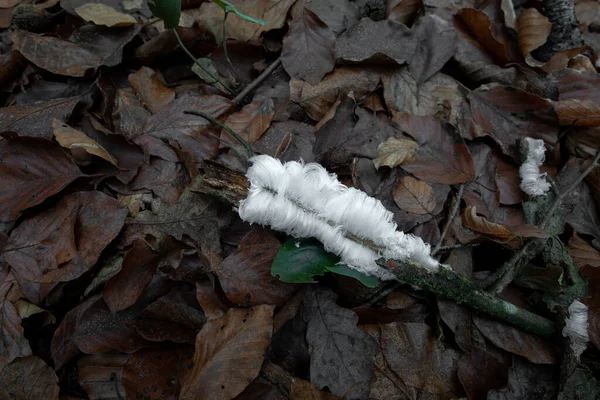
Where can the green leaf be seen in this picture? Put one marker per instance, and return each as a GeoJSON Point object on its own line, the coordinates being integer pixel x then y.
{"type": "Point", "coordinates": [167, 10]}
{"type": "Point", "coordinates": [299, 260]}
{"type": "Point", "coordinates": [228, 7]}
{"type": "Point", "coordinates": [342, 269]}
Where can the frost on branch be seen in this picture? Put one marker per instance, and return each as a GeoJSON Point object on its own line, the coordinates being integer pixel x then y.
{"type": "Point", "coordinates": [533, 182]}
{"type": "Point", "coordinates": [304, 200]}
{"type": "Point", "coordinates": [576, 327]}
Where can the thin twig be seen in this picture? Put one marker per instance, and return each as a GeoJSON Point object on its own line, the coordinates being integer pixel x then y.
{"type": "Point", "coordinates": [451, 216]}
{"type": "Point", "coordinates": [190, 55]}
{"type": "Point", "coordinates": [259, 79]}
{"type": "Point", "coordinates": [222, 125]}
{"type": "Point", "coordinates": [225, 48]}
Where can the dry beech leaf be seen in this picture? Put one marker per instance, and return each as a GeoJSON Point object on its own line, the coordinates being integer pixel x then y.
{"type": "Point", "coordinates": [403, 10]}
{"type": "Point", "coordinates": [582, 253]}
{"type": "Point", "coordinates": [578, 112]}
{"type": "Point", "coordinates": [250, 122]}
{"type": "Point", "coordinates": [12, 341]}
{"type": "Point", "coordinates": [229, 353]}
{"type": "Point", "coordinates": [28, 378]}
{"type": "Point", "coordinates": [534, 29]}
{"type": "Point", "coordinates": [102, 14]}
{"type": "Point", "coordinates": [414, 196]}
{"type": "Point", "coordinates": [307, 51]}
{"type": "Point", "coordinates": [394, 152]}
{"type": "Point", "coordinates": [490, 229]}
{"type": "Point", "coordinates": [150, 89]}
{"type": "Point", "coordinates": [480, 26]}
{"type": "Point", "coordinates": [100, 376]}
{"type": "Point", "coordinates": [70, 138]}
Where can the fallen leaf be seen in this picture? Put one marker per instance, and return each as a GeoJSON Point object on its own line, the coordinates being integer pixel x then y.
{"type": "Point", "coordinates": [304, 390]}
{"type": "Point", "coordinates": [31, 171]}
{"type": "Point", "coordinates": [150, 89]}
{"type": "Point", "coordinates": [414, 196]}
{"type": "Point", "coordinates": [508, 181]}
{"type": "Point", "coordinates": [221, 370]}
{"type": "Point", "coordinates": [436, 44]}
{"type": "Point", "coordinates": [316, 100]}
{"type": "Point", "coordinates": [443, 156]}
{"type": "Point", "coordinates": [246, 274]}
{"type": "Point", "coordinates": [64, 242]}
{"type": "Point", "coordinates": [482, 225]}
{"type": "Point", "coordinates": [165, 179]}
{"type": "Point", "coordinates": [480, 26]}
{"type": "Point", "coordinates": [483, 191]}
{"type": "Point", "coordinates": [251, 122]}
{"type": "Point", "coordinates": [106, 43]}
{"type": "Point", "coordinates": [32, 120]}
{"type": "Point", "coordinates": [574, 112]}
{"type": "Point", "coordinates": [56, 55]}
{"type": "Point", "coordinates": [592, 301]}
{"type": "Point", "coordinates": [338, 15]}
{"type": "Point", "coordinates": [287, 141]}
{"type": "Point", "coordinates": [12, 341]}
{"type": "Point", "coordinates": [362, 42]}
{"type": "Point", "coordinates": [211, 304]}
{"type": "Point", "coordinates": [101, 375]}
{"type": "Point", "coordinates": [156, 373]}
{"type": "Point", "coordinates": [479, 372]}
{"type": "Point", "coordinates": [128, 114]}
{"type": "Point", "coordinates": [526, 380]}
{"type": "Point", "coordinates": [102, 14]}
{"type": "Point", "coordinates": [341, 354]}
{"type": "Point", "coordinates": [403, 11]}
{"type": "Point", "coordinates": [70, 138]}
{"type": "Point", "coordinates": [307, 51]}
{"type": "Point", "coordinates": [419, 359]}
{"type": "Point", "coordinates": [534, 29]}
{"type": "Point", "coordinates": [582, 253]}
{"type": "Point", "coordinates": [394, 152]}
{"type": "Point", "coordinates": [27, 379]}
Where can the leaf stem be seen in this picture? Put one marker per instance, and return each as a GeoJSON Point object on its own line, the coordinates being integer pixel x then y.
{"type": "Point", "coordinates": [225, 48]}
{"type": "Point", "coordinates": [215, 121]}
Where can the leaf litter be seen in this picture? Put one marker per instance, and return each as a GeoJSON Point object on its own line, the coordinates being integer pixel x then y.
{"type": "Point", "coordinates": [121, 278]}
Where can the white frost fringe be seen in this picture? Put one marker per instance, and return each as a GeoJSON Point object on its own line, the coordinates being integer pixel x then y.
{"type": "Point", "coordinates": [532, 181]}
{"type": "Point", "coordinates": [576, 327]}
{"type": "Point", "coordinates": [304, 200]}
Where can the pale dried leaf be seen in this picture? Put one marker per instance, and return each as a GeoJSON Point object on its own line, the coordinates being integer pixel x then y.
{"type": "Point", "coordinates": [490, 229]}
{"type": "Point", "coordinates": [102, 14]}
{"type": "Point", "coordinates": [414, 196]}
{"type": "Point", "coordinates": [394, 152]}
{"type": "Point", "coordinates": [70, 138]}
{"type": "Point", "coordinates": [534, 29]}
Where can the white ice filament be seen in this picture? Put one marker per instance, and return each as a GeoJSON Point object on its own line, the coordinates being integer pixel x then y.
{"type": "Point", "coordinates": [533, 182]}
{"type": "Point", "coordinates": [304, 200]}
{"type": "Point", "coordinates": [576, 327]}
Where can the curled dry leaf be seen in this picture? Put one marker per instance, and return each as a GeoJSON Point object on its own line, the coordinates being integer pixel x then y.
{"type": "Point", "coordinates": [102, 14]}
{"type": "Point", "coordinates": [578, 112]}
{"type": "Point", "coordinates": [403, 11]}
{"type": "Point", "coordinates": [534, 29]}
{"type": "Point", "coordinates": [71, 139]}
{"type": "Point", "coordinates": [490, 229]}
{"type": "Point", "coordinates": [481, 28]}
{"type": "Point", "coordinates": [394, 152]}
{"type": "Point", "coordinates": [151, 90]}
{"type": "Point", "coordinates": [12, 341]}
{"type": "Point", "coordinates": [251, 122]}
{"type": "Point", "coordinates": [414, 196]}
{"type": "Point", "coordinates": [307, 51]}
{"type": "Point", "coordinates": [229, 354]}
{"type": "Point", "coordinates": [582, 253]}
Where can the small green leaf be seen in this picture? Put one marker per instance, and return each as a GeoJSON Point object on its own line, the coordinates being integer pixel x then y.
{"type": "Point", "coordinates": [342, 269]}
{"type": "Point", "coordinates": [167, 10]}
{"type": "Point", "coordinates": [228, 7]}
{"type": "Point", "coordinates": [299, 260]}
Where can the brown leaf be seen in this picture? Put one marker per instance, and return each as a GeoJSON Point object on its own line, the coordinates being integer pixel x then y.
{"type": "Point", "coordinates": [28, 378]}
{"type": "Point", "coordinates": [221, 370]}
{"type": "Point", "coordinates": [316, 100]}
{"type": "Point", "coordinates": [70, 138]}
{"type": "Point", "coordinates": [124, 289]}
{"type": "Point", "coordinates": [490, 229]}
{"type": "Point", "coordinates": [443, 156]}
{"type": "Point", "coordinates": [128, 114]}
{"type": "Point", "coordinates": [246, 274]}
{"type": "Point", "coordinates": [508, 114]}
{"type": "Point", "coordinates": [403, 11]}
{"type": "Point", "coordinates": [32, 120]}
{"type": "Point", "coordinates": [189, 132]}
{"type": "Point", "coordinates": [480, 26]}
{"type": "Point", "coordinates": [587, 13]}
{"type": "Point", "coordinates": [62, 243]}
{"type": "Point", "coordinates": [414, 196]}
{"type": "Point", "coordinates": [338, 15]}
{"type": "Point", "coordinates": [250, 122]}
{"type": "Point", "coordinates": [534, 29]}
{"type": "Point", "coordinates": [307, 51]}
{"type": "Point", "coordinates": [106, 43]}
{"type": "Point", "coordinates": [592, 275]}
{"type": "Point", "coordinates": [63, 346]}
{"type": "Point", "coordinates": [436, 44]}
{"type": "Point", "coordinates": [419, 359]}
{"type": "Point", "coordinates": [156, 374]}
{"type": "Point", "coordinates": [165, 179]}
{"type": "Point", "coordinates": [304, 390]}
{"type": "Point", "coordinates": [100, 375]}
{"type": "Point", "coordinates": [582, 253]}
{"type": "Point", "coordinates": [574, 112]}
{"type": "Point", "coordinates": [508, 181]}
{"type": "Point", "coordinates": [12, 341]}
{"type": "Point", "coordinates": [150, 89]}
{"type": "Point", "coordinates": [102, 14]}
{"type": "Point", "coordinates": [55, 55]}
{"type": "Point", "coordinates": [363, 42]}
{"type": "Point", "coordinates": [394, 152]}
{"type": "Point", "coordinates": [479, 372]}
{"type": "Point", "coordinates": [211, 304]}
{"type": "Point", "coordinates": [31, 171]}
{"type": "Point", "coordinates": [12, 63]}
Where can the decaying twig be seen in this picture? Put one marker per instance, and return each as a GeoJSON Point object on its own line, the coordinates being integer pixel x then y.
{"type": "Point", "coordinates": [451, 216]}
